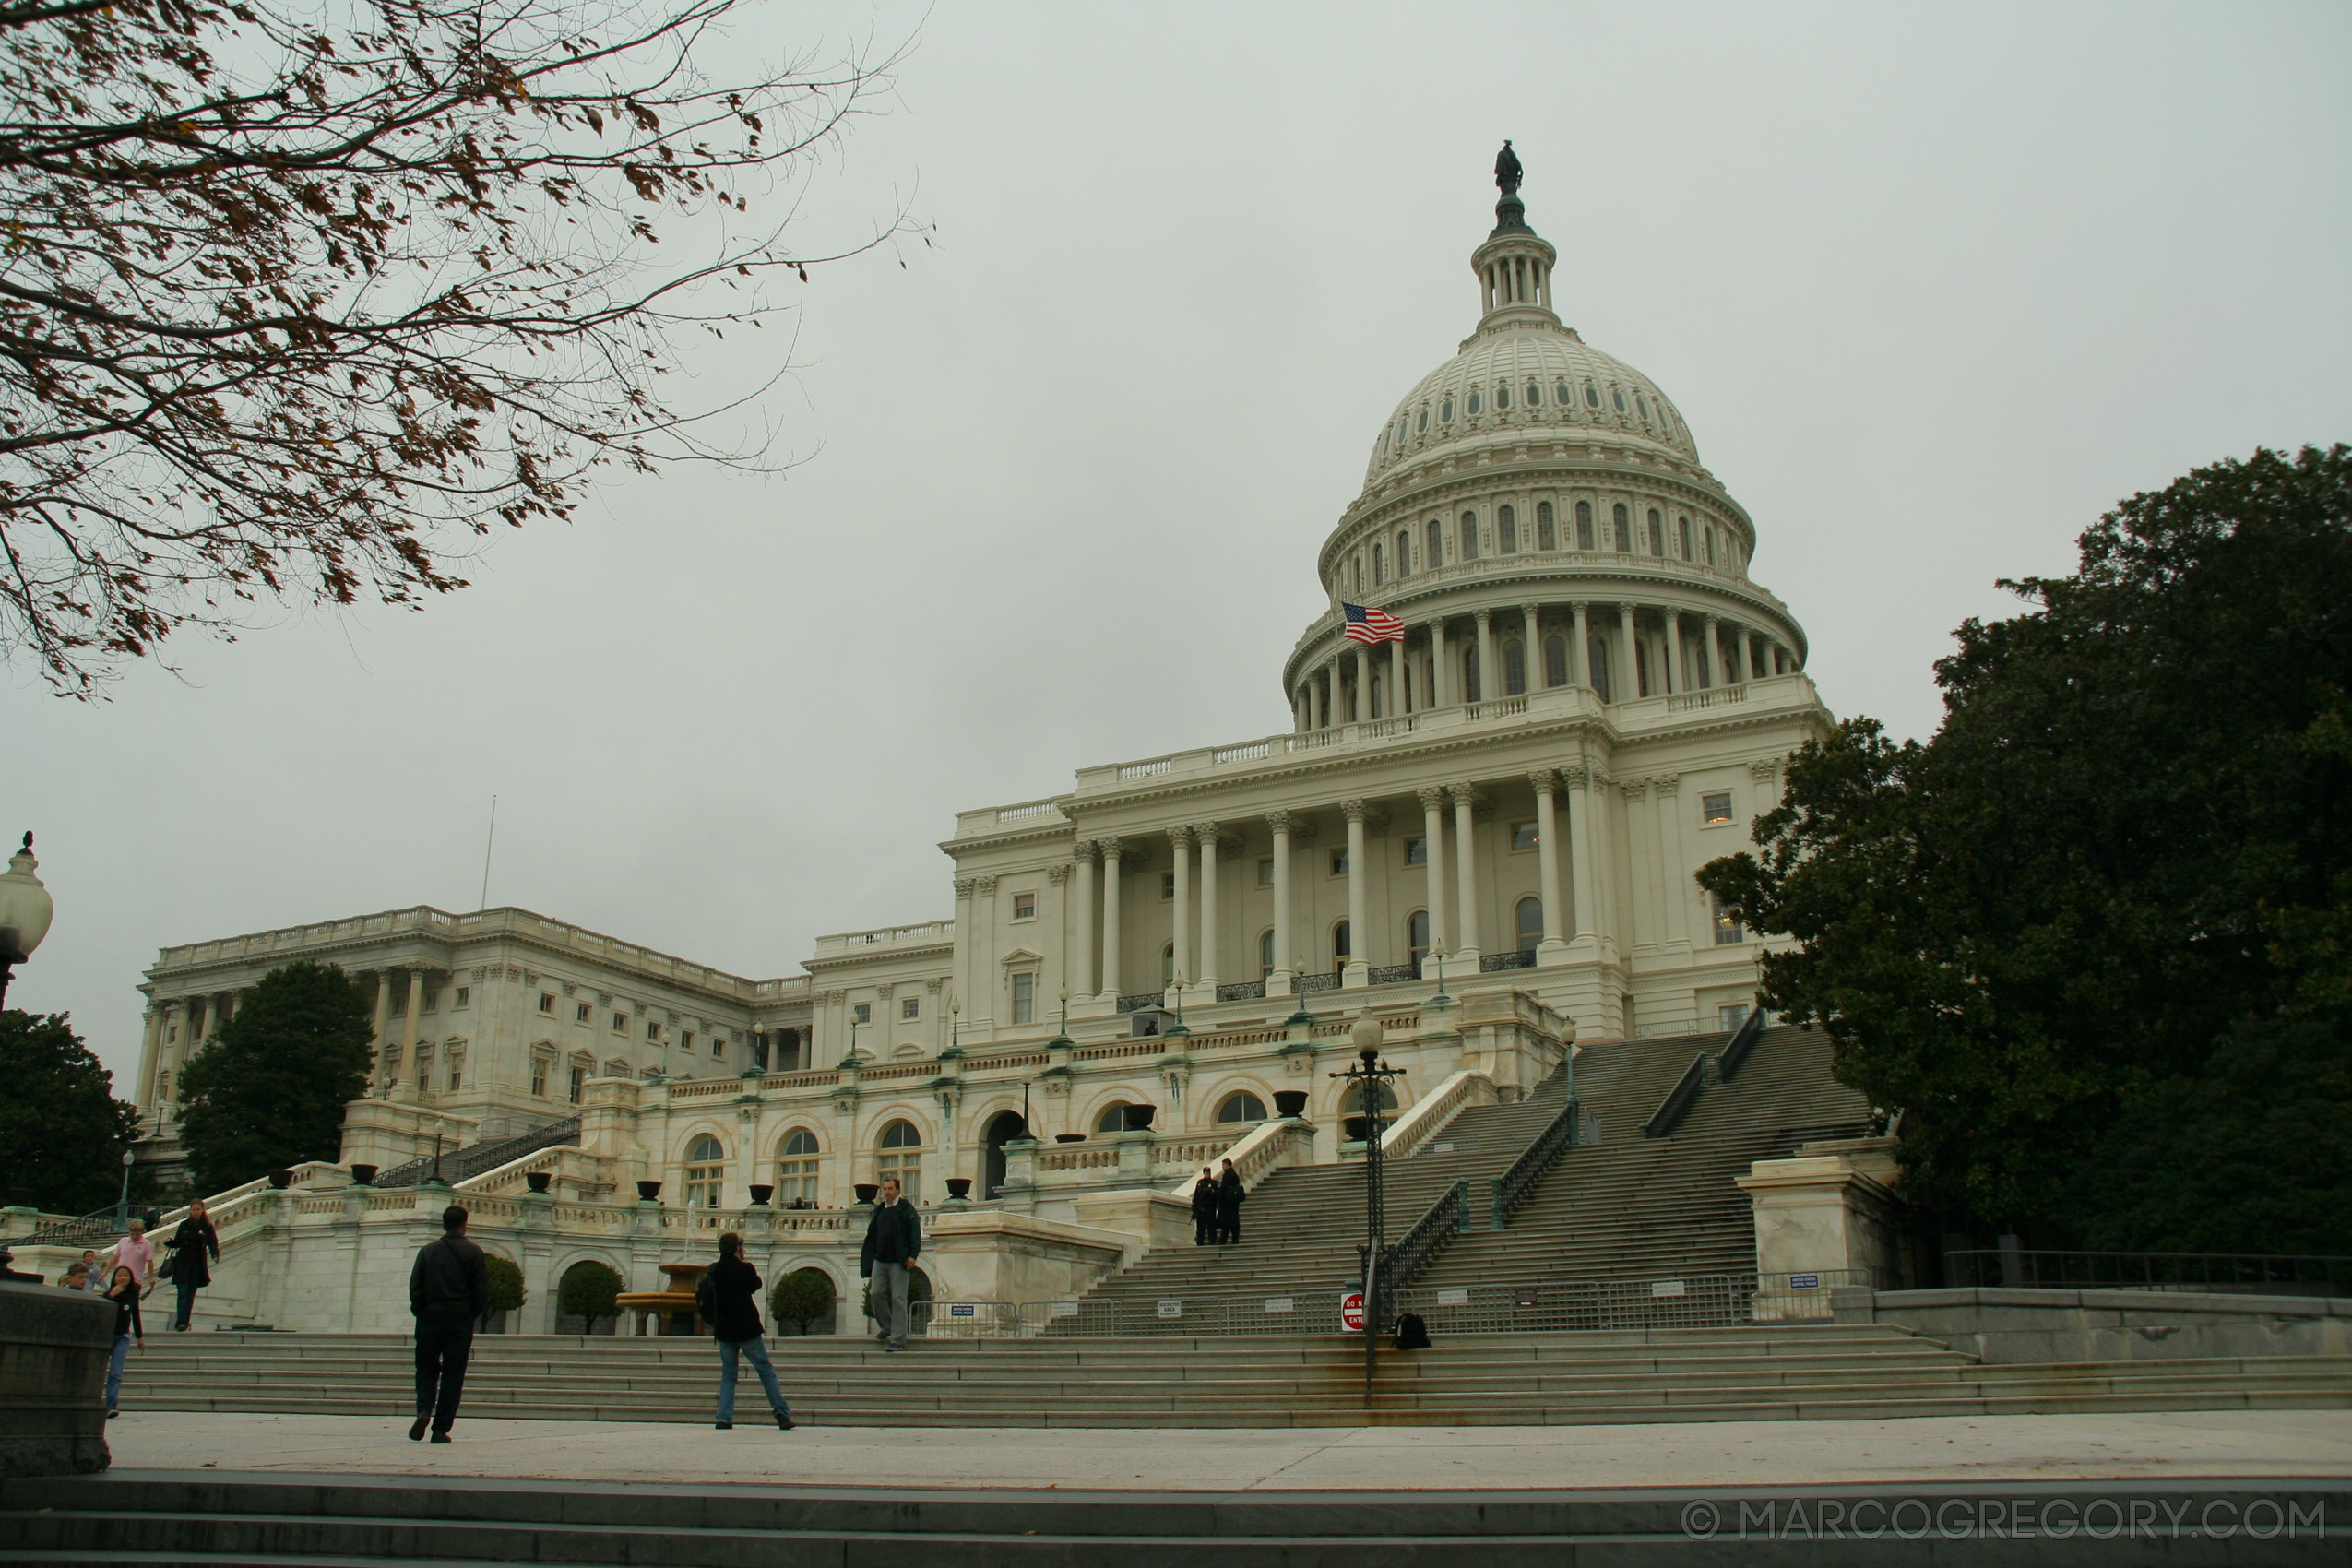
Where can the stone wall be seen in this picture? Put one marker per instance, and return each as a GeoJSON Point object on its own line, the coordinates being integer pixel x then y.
{"type": "Point", "coordinates": [2006, 1327]}
{"type": "Point", "coordinates": [53, 1346]}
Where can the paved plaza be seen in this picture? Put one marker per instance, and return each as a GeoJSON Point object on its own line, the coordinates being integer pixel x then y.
{"type": "Point", "coordinates": [2278, 1444]}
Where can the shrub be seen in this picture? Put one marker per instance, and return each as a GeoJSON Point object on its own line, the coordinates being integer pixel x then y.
{"type": "Point", "coordinates": [802, 1296]}
{"type": "Point", "coordinates": [587, 1291]}
{"type": "Point", "coordinates": [506, 1291]}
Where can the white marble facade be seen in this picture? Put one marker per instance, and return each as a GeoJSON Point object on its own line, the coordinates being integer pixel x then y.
{"type": "Point", "coordinates": [1593, 699]}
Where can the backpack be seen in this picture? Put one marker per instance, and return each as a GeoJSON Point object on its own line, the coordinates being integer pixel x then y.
{"type": "Point", "coordinates": [706, 1298]}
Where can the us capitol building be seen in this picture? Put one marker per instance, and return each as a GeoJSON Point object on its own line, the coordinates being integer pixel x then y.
{"type": "Point", "coordinates": [1479, 832]}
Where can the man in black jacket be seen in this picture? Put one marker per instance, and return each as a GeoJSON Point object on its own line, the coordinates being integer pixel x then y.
{"type": "Point", "coordinates": [893, 1239]}
{"type": "Point", "coordinates": [729, 1298]}
{"type": "Point", "coordinates": [1205, 1208]}
{"type": "Point", "coordinates": [448, 1292]}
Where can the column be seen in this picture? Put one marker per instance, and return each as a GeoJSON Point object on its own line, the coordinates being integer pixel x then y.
{"type": "Point", "coordinates": [1466, 857]}
{"type": "Point", "coordinates": [1548, 860]}
{"type": "Point", "coordinates": [1583, 847]}
{"type": "Point", "coordinates": [1302, 709]}
{"type": "Point", "coordinates": [1680, 895]}
{"type": "Point", "coordinates": [1441, 666]}
{"type": "Point", "coordinates": [1753, 653]}
{"type": "Point", "coordinates": [1578, 675]}
{"type": "Point", "coordinates": [1204, 834]}
{"type": "Point", "coordinates": [383, 1017]}
{"type": "Point", "coordinates": [151, 1052]}
{"type": "Point", "coordinates": [1434, 864]}
{"type": "Point", "coordinates": [1397, 678]}
{"type": "Point", "coordinates": [1531, 658]}
{"type": "Point", "coordinates": [966, 944]}
{"type": "Point", "coordinates": [1490, 677]}
{"type": "Point", "coordinates": [415, 1006]}
{"type": "Point", "coordinates": [1711, 660]}
{"type": "Point", "coordinates": [1358, 969]}
{"type": "Point", "coordinates": [1335, 705]}
{"type": "Point", "coordinates": [1181, 838]}
{"type": "Point", "coordinates": [1110, 879]}
{"type": "Point", "coordinates": [1627, 679]}
{"type": "Point", "coordinates": [1281, 977]}
{"type": "Point", "coordinates": [1674, 678]}
{"type": "Point", "coordinates": [1082, 970]}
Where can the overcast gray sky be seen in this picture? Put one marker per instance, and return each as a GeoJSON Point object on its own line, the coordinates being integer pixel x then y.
{"type": "Point", "coordinates": [1932, 285]}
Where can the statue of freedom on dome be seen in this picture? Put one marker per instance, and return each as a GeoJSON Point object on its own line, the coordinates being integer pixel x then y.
{"type": "Point", "coordinates": [1506, 170]}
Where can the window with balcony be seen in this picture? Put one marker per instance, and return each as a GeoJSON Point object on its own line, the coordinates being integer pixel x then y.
{"type": "Point", "coordinates": [797, 1169]}
{"type": "Point", "coordinates": [706, 1172]}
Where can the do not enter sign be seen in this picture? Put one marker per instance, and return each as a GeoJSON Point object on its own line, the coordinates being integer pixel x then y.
{"type": "Point", "coordinates": [1351, 1310]}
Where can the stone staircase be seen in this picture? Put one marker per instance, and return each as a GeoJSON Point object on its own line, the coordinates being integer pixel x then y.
{"type": "Point", "coordinates": [1631, 1209]}
{"type": "Point", "coordinates": [1761, 1372]}
{"type": "Point", "coordinates": [1300, 1226]}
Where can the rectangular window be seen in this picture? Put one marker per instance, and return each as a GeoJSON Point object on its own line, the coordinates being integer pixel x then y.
{"type": "Point", "coordinates": [717, 1047]}
{"type": "Point", "coordinates": [1417, 852]}
{"type": "Point", "coordinates": [1025, 906]}
{"type": "Point", "coordinates": [1265, 871]}
{"type": "Point", "coordinates": [431, 1001]}
{"type": "Point", "coordinates": [539, 1078]}
{"type": "Point", "coordinates": [1522, 836]}
{"type": "Point", "coordinates": [862, 1011]}
{"type": "Point", "coordinates": [579, 1084]}
{"type": "Point", "coordinates": [454, 1076]}
{"type": "Point", "coordinates": [1714, 809]}
{"type": "Point", "coordinates": [546, 1002]}
{"type": "Point", "coordinates": [464, 995]}
{"type": "Point", "coordinates": [1339, 863]}
{"type": "Point", "coordinates": [911, 1007]}
{"type": "Point", "coordinates": [652, 1029]}
{"type": "Point", "coordinates": [1025, 999]}
{"type": "Point", "coordinates": [1731, 1016]}
{"type": "Point", "coordinates": [1726, 926]}
{"type": "Point", "coordinates": [1166, 885]}
{"type": "Point", "coordinates": [620, 1023]}
{"type": "Point", "coordinates": [579, 1012]}
{"type": "Point", "coordinates": [685, 1039]}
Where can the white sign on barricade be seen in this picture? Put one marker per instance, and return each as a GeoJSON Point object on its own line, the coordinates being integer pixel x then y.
{"type": "Point", "coordinates": [1277, 1304]}
{"type": "Point", "coordinates": [1456, 1296]}
{"type": "Point", "coordinates": [1171, 1309]}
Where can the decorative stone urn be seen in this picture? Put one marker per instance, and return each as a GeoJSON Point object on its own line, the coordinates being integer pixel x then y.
{"type": "Point", "coordinates": [281, 1180]}
{"type": "Point", "coordinates": [539, 1181]}
{"type": "Point", "coordinates": [1289, 1102]}
{"type": "Point", "coordinates": [867, 1190]}
{"type": "Point", "coordinates": [959, 1189]}
{"type": "Point", "coordinates": [1069, 1138]}
{"type": "Point", "coordinates": [650, 1192]}
{"type": "Point", "coordinates": [760, 1193]}
{"type": "Point", "coordinates": [363, 1175]}
{"type": "Point", "coordinates": [1139, 1117]}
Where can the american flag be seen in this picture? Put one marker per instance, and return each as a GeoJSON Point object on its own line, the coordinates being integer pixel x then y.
{"type": "Point", "coordinates": [1373, 626]}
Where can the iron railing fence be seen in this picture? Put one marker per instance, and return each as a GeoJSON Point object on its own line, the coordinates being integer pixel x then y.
{"type": "Point", "coordinates": [1495, 962]}
{"type": "Point", "coordinates": [2227, 1273]}
{"type": "Point", "coordinates": [1427, 1237]}
{"type": "Point", "coordinates": [1511, 1189]}
{"type": "Point", "coordinates": [100, 1226]}
{"type": "Point", "coordinates": [1713, 1301]}
{"type": "Point", "coordinates": [1743, 1040]}
{"type": "Point", "coordinates": [1678, 1099]}
{"type": "Point", "coordinates": [475, 1159]}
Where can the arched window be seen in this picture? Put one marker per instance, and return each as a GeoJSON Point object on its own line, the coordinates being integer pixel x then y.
{"type": "Point", "coordinates": [796, 1167]}
{"type": "Point", "coordinates": [1445, 411]}
{"type": "Point", "coordinates": [1643, 404]}
{"type": "Point", "coordinates": [1547, 532]}
{"type": "Point", "coordinates": [1404, 554]}
{"type": "Point", "coordinates": [1584, 524]}
{"type": "Point", "coordinates": [1469, 536]}
{"type": "Point", "coordinates": [1506, 529]}
{"type": "Point", "coordinates": [1514, 669]}
{"type": "Point", "coordinates": [900, 1156]}
{"type": "Point", "coordinates": [1592, 396]}
{"type": "Point", "coordinates": [1242, 1106]}
{"type": "Point", "coordinates": [1501, 396]}
{"type": "Point", "coordinates": [1424, 419]}
{"type": "Point", "coordinates": [1535, 393]}
{"type": "Point", "coordinates": [1657, 533]}
{"type": "Point", "coordinates": [1436, 555]}
{"type": "Point", "coordinates": [1561, 396]}
{"type": "Point", "coordinates": [1683, 527]}
{"type": "Point", "coordinates": [1379, 696]}
{"type": "Point", "coordinates": [1341, 946]}
{"type": "Point", "coordinates": [1616, 397]}
{"type": "Point", "coordinates": [706, 1171]}
{"type": "Point", "coordinates": [1380, 565]}
{"type": "Point", "coordinates": [1555, 662]}
{"type": "Point", "coordinates": [1596, 660]}
{"type": "Point", "coordinates": [1619, 516]}
{"type": "Point", "coordinates": [1530, 925]}
{"type": "Point", "coordinates": [1417, 938]}
{"type": "Point", "coordinates": [1112, 1118]}
{"type": "Point", "coordinates": [1167, 962]}
{"type": "Point", "coordinates": [1474, 399]}
{"type": "Point", "coordinates": [1265, 953]}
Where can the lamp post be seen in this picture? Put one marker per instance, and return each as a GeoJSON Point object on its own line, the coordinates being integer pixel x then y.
{"type": "Point", "coordinates": [25, 909]}
{"type": "Point", "coordinates": [1371, 1075]}
{"type": "Point", "coordinates": [1441, 1000]}
{"type": "Point", "coordinates": [1300, 1017]}
{"type": "Point", "coordinates": [122, 1203]}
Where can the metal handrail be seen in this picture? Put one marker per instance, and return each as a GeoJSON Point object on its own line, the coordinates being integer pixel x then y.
{"type": "Point", "coordinates": [1678, 1099]}
{"type": "Point", "coordinates": [1511, 1187]}
{"type": "Point", "coordinates": [1743, 1040]}
{"type": "Point", "coordinates": [1426, 1237]}
{"type": "Point", "coordinates": [476, 1159]}
{"type": "Point", "coordinates": [98, 1225]}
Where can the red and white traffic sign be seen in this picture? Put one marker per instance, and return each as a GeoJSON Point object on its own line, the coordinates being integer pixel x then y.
{"type": "Point", "coordinates": [1351, 1310]}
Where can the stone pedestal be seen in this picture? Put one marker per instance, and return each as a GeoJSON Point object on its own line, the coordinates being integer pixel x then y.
{"type": "Point", "coordinates": [53, 1346]}
{"type": "Point", "coordinates": [1820, 1214]}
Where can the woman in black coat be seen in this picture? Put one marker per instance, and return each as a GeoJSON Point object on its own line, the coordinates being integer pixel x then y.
{"type": "Point", "coordinates": [191, 1244]}
{"type": "Point", "coordinates": [1228, 1204]}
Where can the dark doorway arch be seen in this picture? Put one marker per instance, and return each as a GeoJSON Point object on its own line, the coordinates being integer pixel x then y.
{"type": "Point", "coordinates": [1002, 1128]}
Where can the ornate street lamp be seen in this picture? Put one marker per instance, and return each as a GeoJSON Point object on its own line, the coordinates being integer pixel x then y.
{"type": "Point", "coordinates": [1371, 1075]}
{"type": "Point", "coordinates": [1441, 1000]}
{"type": "Point", "coordinates": [25, 909]}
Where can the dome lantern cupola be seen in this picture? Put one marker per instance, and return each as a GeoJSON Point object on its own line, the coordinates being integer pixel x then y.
{"type": "Point", "coordinates": [1515, 266]}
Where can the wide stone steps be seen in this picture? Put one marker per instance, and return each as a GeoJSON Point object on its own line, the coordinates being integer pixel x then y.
{"type": "Point", "coordinates": [227, 1520]}
{"type": "Point", "coordinates": [1816, 1372]}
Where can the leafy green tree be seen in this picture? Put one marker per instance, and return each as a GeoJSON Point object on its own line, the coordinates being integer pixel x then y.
{"type": "Point", "coordinates": [506, 1293]}
{"type": "Point", "coordinates": [2093, 936]}
{"type": "Point", "coordinates": [269, 1090]}
{"type": "Point", "coordinates": [588, 1293]}
{"type": "Point", "coordinates": [62, 1131]}
{"type": "Point", "coordinates": [801, 1298]}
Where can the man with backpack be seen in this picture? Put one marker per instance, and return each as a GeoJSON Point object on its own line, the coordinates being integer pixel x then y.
{"type": "Point", "coordinates": [727, 1298]}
